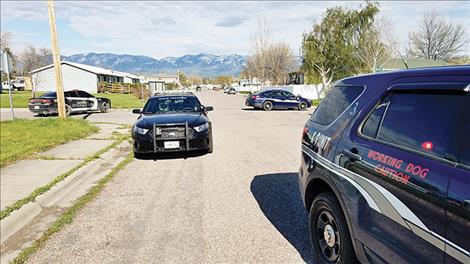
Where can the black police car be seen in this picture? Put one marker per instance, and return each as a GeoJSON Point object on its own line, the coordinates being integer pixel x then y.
{"type": "Point", "coordinates": [385, 168]}
{"type": "Point", "coordinates": [171, 123]}
{"type": "Point", "coordinates": [76, 101]}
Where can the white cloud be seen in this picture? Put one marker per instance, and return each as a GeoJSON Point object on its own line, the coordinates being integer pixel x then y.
{"type": "Point", "coordinates": [175, 28]}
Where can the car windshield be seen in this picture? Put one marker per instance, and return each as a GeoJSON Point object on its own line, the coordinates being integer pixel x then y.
{"type": "Point", "coordinates": [172, 104]}
{"type": "Point", "coordinates": [49, 95]}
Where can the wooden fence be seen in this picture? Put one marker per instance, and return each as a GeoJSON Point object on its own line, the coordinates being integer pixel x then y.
{"type": "Point", "coordinates": [122, 88]}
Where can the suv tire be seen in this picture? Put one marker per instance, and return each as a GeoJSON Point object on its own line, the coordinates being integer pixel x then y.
{"type": "Point", "coordinates": [267, 106]}
{"type": "Point", "coordinates": [329, 233]}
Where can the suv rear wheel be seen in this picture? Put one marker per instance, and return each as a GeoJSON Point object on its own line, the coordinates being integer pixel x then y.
{"type": "Point", "coordinates": [329, 232]}
{"type": "Point", "coordinates": [267, 106]}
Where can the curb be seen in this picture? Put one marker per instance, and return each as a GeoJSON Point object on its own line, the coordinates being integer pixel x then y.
{"type": "Point", "coordinates": [62, 195]}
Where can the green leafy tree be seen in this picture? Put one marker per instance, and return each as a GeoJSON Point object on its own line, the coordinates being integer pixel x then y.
{"type": "Point", "coordinates": [184, 81]}
{"type": "Point", "coordinates": [330, 49]}
{"type": "Point", "coordinates": [224, 80]}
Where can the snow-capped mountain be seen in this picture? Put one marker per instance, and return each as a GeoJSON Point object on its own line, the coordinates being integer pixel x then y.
{"type": "Point", "coordinates": [205, 65]}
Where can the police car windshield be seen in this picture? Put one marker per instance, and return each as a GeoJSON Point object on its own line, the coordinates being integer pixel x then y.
{"type": "Point", "coordinates": [172, 104]}
{"type": "Point", "coordinates": [49, 95]}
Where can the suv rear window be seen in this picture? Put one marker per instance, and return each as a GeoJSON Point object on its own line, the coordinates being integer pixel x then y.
{"type": "Point", "coordinates": [335, 103]}
{"type": "Point", "coordinates": [425, 122]}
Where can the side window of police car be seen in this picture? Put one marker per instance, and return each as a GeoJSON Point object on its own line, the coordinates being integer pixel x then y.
{"type": "Point", "coordinates": [335, 103]}
{"type": "Point", "coordinates": [84, 94]}
{"type": "Point", "coordinates": [423, 122]}
{"type": "Point", "coordinates": [70, 94]}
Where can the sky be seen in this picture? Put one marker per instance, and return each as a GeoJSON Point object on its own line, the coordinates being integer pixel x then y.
{"type": "Point", "coordinates": [160, 29]}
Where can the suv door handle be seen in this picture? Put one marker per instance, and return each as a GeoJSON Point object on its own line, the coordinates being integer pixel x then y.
{"type": "Point", "coordinates": [351, 155]}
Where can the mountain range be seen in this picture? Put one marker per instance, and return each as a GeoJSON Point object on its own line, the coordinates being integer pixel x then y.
{"type": "Point", "coordinates": [204, 65]}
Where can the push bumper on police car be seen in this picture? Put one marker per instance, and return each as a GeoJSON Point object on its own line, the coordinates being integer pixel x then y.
{"type": "Point", "coordinates": [171, 138]}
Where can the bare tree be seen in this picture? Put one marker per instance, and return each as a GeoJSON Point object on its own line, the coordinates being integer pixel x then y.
{"type": "Point", "coordinates": [270, 62]}
{"type": "Point", "coordinates": [5, 40]}
{"type": "Point", "coordinates": [437, 38]}
{"type": "Point", "coordinates": [31, 59]}
{"type": "Point", "coordinates": [378, 45]}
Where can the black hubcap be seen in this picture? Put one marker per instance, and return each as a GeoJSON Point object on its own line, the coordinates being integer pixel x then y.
{"type": "Point", "coordinates": [328, 236]}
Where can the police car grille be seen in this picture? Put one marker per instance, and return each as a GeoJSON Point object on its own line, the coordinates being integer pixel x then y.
{"type": "Point", "coordinates": [173, 132]}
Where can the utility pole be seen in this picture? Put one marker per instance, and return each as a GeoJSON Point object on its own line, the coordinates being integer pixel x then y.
{"type": "Point", "coordinates": [6, 67]}
{"type": "Point", "coordinates": [56, 58]}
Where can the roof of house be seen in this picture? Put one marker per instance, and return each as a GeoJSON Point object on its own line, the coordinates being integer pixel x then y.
{"type": "Point", "coordinates": [162, 75]}
{"type": "Point", "coordinates": [398, 64]}
{"type": "Point", "coordinates": [92, 69]}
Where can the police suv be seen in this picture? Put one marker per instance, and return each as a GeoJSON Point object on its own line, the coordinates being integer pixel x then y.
{"type": "Point", "coordinates": [385, 168]}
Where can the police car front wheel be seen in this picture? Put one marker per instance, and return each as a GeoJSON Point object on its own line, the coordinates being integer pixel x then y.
{"type": "Point", "coordinates": [329, 233]}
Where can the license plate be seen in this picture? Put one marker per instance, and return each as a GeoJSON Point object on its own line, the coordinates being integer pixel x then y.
{"type": "Point", "coordinates": [36, 107]}
{"type": "Point", "coordinates": [171, 144]}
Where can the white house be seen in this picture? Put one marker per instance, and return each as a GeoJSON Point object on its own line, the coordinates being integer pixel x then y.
{"type": "Point", "coordinates": [165, 78]}
{"type": "Point", "coordinates": [78, 76]}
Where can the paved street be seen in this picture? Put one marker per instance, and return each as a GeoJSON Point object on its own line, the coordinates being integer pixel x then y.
{"type": "Point", "coordinates": [239, 204]}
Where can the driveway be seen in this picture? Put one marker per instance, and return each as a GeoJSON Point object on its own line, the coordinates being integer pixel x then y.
{"type": "Point", "coordinates": [238, 204]}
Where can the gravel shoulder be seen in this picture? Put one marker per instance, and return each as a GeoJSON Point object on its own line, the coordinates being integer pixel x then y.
{"type": "Point", "coordinates": [239, 204]}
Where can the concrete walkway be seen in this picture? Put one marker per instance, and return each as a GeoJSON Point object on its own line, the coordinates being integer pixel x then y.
{"type": "Point", "coordinates": [22, 178]}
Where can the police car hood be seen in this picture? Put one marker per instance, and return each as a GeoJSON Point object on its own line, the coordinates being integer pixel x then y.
{"type": "Point", "coordinates": [193, 119]}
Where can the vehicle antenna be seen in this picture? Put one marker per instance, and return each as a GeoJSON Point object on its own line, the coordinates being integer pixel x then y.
{"type": "Point", "coordinates": [403, 59]}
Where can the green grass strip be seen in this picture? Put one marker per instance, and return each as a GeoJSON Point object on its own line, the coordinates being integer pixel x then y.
{"type": "Point", "coordinates": [68, 216]}
{"type": "Point", "coordinates": [21, 138]}
{"type": "Point", "coordinates": [32, 197]}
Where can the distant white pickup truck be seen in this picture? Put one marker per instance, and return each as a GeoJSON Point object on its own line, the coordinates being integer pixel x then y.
{"type": "Point", "coordinates": [18, 84]}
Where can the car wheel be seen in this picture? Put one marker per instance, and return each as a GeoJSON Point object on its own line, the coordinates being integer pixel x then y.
{"type": "Point", "coordinates": [104, 107]}
{"type": "Point", "coordinates": [267, 106]}
{"type": "Point", "coordinates": [68, 110]}
{"type": "Point", "coordinates": [329, 233]}
{"type": "Point", "coordinates": [211, 143]}
{"type": "Point", "coordinates": [302, 106]}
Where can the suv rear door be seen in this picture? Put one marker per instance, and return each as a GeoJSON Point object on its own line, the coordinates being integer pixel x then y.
{"type": "Point", "coordinates": [404, 153]}
{"type": "Point", "coordinates": [458, 202]}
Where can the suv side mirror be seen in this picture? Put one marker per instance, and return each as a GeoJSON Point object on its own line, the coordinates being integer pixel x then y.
{"type": "Point", "coordinates": [208, 108]}
{"type": "Point", "coordinates": [136, 111]}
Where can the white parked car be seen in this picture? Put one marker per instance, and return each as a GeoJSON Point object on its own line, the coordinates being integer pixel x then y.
{"type": "Point", "coordinates": [6, 85]}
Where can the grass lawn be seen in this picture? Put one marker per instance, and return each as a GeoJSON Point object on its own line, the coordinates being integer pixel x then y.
{"type": "Point", "coordinates": [21, 138]}
{"type": "Point", "coordinates": [20, 99]}
{"type": "Point", "coordinates": [316, 102]}
{"type": "Point", "coordinates": [122, 100]}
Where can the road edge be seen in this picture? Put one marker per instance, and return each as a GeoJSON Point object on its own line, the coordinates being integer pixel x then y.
{"type": "Point", "coordinates": [68, 216]}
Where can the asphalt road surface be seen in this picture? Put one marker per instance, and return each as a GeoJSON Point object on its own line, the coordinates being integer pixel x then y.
{"type": "Point", "coordinates": [240, 204]}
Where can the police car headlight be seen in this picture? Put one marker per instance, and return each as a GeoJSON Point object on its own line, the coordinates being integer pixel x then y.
{"type": "Point", "coordinates": [201, 128]}
{"type": "Point", "coordinates": [140, 130]}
